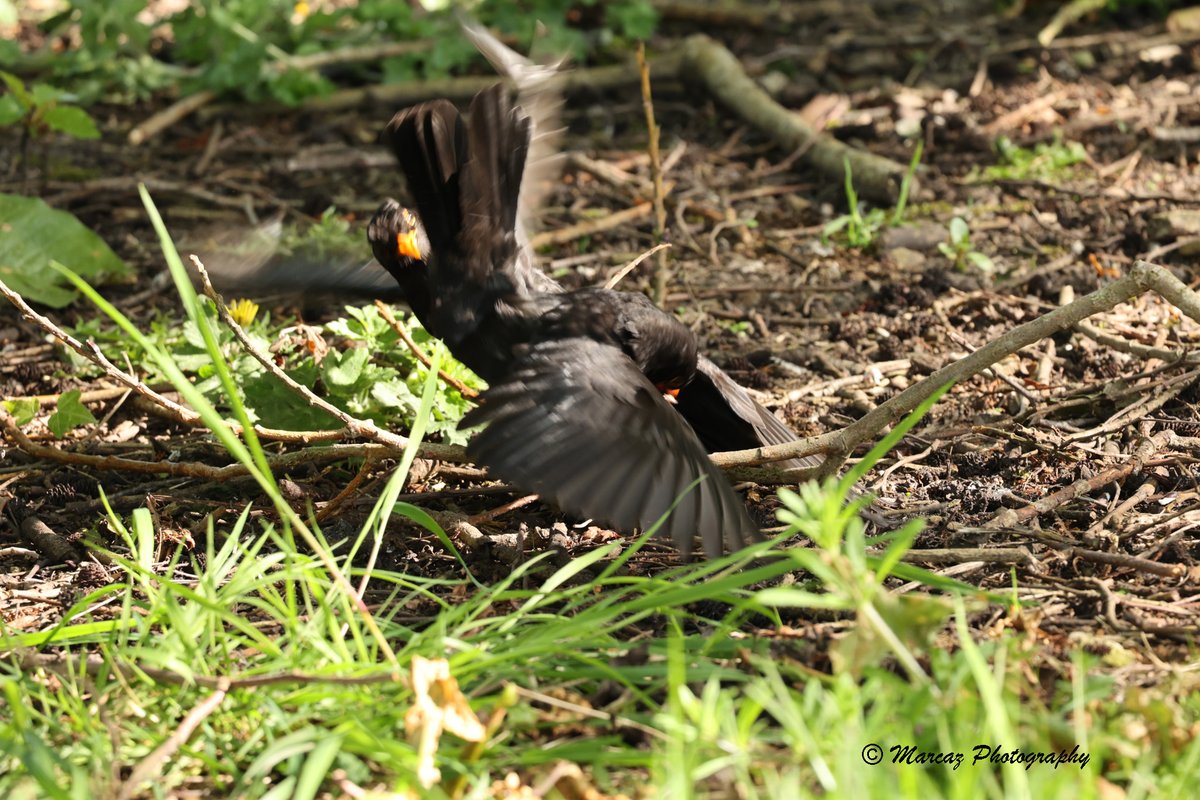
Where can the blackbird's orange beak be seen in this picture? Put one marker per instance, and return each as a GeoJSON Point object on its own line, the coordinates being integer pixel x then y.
{"type": "Point", "coordinates": [406, 245]}
{"type": "Point", "coordinates": [667, 391]}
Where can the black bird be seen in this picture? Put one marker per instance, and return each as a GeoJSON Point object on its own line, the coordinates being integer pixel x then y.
{"type": "Point", "coordinates": [576, 409]}
{"type": "Point", "coordinates": [723, 414]}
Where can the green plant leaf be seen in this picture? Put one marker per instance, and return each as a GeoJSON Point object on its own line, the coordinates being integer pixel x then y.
{"type": "Point", "coordinates": [73, 121]}
{"type": "Point", "coordinates": [70, 414]}
{"type": "Point", "coordinates": [43, 94]}
{"type": "Point", "coordinates": [23, 410]}
{"type": "Point", "coordinates": [835, 225]}
{"type": "Point", "coordinates": [960, 234]}
{"type": "Point", "coordinates": [32, 234]}
{"type": "Point", "coordinates": [635, 20]}
{"type": "Point", "coordinates": [393, 394]}
{"type": "Point", "coordinates": [10, 110]}
{"type": "Point", "coordinates": [342, 370]}
{"type": "Point", "coordinates": [17, 87]}
{"type": "Point", "coordinates": [981, 261]}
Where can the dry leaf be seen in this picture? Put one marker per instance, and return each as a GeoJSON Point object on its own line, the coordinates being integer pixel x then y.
{"type": "Point", "coordinates": [438, 705]}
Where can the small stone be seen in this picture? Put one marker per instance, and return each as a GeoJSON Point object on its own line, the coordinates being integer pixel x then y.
{"type": "Point", "coordinates": [923, 237]}
{"type": "Point", "coordinates": [906, 260]}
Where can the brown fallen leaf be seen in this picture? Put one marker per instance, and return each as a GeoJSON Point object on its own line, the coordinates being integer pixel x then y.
{"type": "Point", "coordinates": [438, 705]}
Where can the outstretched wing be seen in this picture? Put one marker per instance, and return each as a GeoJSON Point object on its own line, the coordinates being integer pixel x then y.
{"type": "Point", "coordinates": [490, 182]}
{"type": "Point", "coordinates": [429, 141]}
{"type": "Point", "coordinates": [726, 417]}
{"type": "Point", "coordinates": [480, 269]}
{"type": "Point", "coordinates": [576, 422]}
{"type": "Point", "coordinates": [539, 92]}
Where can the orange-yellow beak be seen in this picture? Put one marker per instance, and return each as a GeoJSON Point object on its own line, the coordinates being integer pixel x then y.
{"type": "Point", "coordinates": [406, 245]}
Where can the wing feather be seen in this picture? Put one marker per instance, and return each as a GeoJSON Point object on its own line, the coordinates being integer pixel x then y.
{"type": "Point", "coordinates": [576, 422]}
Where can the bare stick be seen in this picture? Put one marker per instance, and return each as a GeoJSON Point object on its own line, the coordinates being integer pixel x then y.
{"type": "Point", "coordinates": [93, 354]}
{"type": "Point", "coordinates": [92, 396]}
{"type": "Point", "coordinates": [162, 405]}
{"type": "Point", "coordinates": [334, 504]}
{"type": "Point", "coordinates": [164, 119]}
{"type": "Point", "coordinates": [354, 426]}
{"type": "Point", "coordinates": [1136, 563]}
{"type": "Point", "coordinates": [838, 444]}
{"type": "Point", "coordinates": [485, 516]}
{"type": "Point", "coordinates": [661, 275]}
{"type": "Point", "coordinates": [151, 765]}
{"type": "Point", "coordinates": [608, 173]}
{"type": "Point", "coordinates": [65, 663]}
{"type": "Point", "coordinates": [399, 94]}
{"type": "Point", "coordinates": [1010, 518]}
{"type": "Point", "coordinates": [981, 555]}
{"type": "Point", "coordinates": [632, 265]}
{"type": "Point", "coordinates": [572, 232]}
{"type": "Point", "coordinates": [722, 74]}
{"type": "Point", "coordinates": [419, 354]}
{"type": "Point", "coordinates": [185, 469]}
{"type": "Point", "coordinates": [53, 547]}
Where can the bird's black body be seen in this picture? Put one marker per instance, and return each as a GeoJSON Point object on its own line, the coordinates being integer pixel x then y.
{"type": "Point", "coordinates": [575, 408]}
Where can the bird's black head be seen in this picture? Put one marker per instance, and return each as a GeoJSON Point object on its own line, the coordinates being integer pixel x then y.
{"type": "Point", "coordinates": [397, 238]}
{"type": "Point", "coordinates": [401, 246]}
{"type": "Point", "coordinates": [662, 347]}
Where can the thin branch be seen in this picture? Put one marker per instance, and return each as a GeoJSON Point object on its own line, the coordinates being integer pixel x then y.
{"type": "Point", "coordinates": [661, 274]}
{"type": "Point", "coordinates": [572, 232]}
{"type": "Point", "coordinates": [419, 354]}
{"type": "Point", "coordinates": [365, 429]}
{"type": "Point", "coordinates": [159, 122]}
{"type": "Point", "coordinates": [92, 353]}
{"type": "Point", "coordinates": [1118, 559]}
{"type": "Point", "coordinates": [982, 555]}
{"type": "Point", "coordinates": [1011, 518]}
{"type": "Point", "coordinates": [187, 469]}
{"type": "Point", "coordinates": [590, 79]}
{"type": "Point", "coordinates": [169, 408]}
{"type": "Point", "coordinates": [95, 665]}
{"type": "Point", "coordinates": [632, 265]}
{"type": "Point", "coordinates": [839, 444]}
{"type": "Point", "coordinates": [151, 765]}
{"type": "Point", "coordinates": [487, 516]}
{"type": "Point", "coordinates": [723, 76]}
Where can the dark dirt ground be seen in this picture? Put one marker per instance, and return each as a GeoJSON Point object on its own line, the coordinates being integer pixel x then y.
{"type": "Point", "coordinates": [831, 331]}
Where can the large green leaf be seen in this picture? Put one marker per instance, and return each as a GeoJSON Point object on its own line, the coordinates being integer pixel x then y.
{"type": "Point", "coordinates": [71, 414]}
{"type": "Point", "coordinates": [32, 234]}
{"type": "Point", "coordinates": [71, 120]}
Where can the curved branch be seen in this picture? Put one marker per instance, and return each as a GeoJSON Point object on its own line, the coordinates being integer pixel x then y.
{"type": "Point", "coordinates": [839, 444]}
{"type": "Point", "coordinates": [721, 73]}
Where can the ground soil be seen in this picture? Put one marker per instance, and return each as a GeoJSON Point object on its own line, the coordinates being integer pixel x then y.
{"type": "Point", "coordinates": [821, 332]}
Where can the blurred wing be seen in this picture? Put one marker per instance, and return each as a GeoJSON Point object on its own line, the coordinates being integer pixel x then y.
{"type": "Point", "coordinates": [250, 261]}
{"type": "Point", "coordinates": [498, 143]}
{"type": "Point", "coordinates": [576, 422]}
{"type": "Point", "coordinates": [540, 94]}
